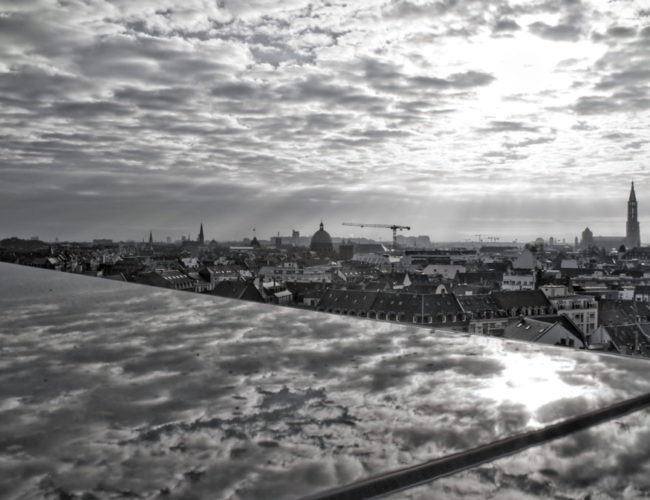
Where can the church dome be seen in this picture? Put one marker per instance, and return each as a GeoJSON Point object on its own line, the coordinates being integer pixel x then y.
{"type": "Point", "coordinates": [321, 242]}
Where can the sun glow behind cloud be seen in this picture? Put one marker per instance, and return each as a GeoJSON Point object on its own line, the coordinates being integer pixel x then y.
{"type": "Point", "coordinates": [417, 105]}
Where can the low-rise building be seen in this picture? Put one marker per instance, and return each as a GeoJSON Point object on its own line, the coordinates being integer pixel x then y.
{"type": "Point", "coordinates": [630, 339]}
{"type": "Point", "coordinates": [622, 312]}
{"type": "Point", "coordinates": [238, 289]}
{"type": "Point", "coordinates": [292, 272]}
{"type": "Point", "coordinates": [518, 281]}
{"type": "Point", "coordinates": [484, 314]}
{"type": "Point", "coordinates": [551, 331]}
{"type": "Point", "coordinates": [447, 271]}
{"type": "Point", "coordinates": [166, 278]}
{"type": "Point", "coordinates": [581, 309]}
{"type": "Point", "coordinates": [347, 302]}
{"type": "Point", "coordinates": [401, 307]}
{"type": "Point", "coordinates": [523, 302]}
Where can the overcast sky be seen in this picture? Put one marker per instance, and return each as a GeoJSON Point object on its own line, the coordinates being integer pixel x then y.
{"type": "Point", "coordinates": [506, 118]}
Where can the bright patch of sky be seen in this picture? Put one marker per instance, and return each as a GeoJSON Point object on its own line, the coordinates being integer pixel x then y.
{"type": "Point", "coordinates": [516, 119]}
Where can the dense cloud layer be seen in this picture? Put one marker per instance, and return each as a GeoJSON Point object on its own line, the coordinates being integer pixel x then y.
{"type": "Point", "coordinates": [111, 391]}
{"type": "Point", "coordinates": [116, 113]}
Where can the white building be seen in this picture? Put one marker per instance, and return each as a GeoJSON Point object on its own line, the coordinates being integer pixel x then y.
{"type": "Point", "coordinates": [581, 309]}
{"type": "Point", "coordinates": [626, 292]}
{"type": "Point", "coordinates": [514, 282]}
{"type": "Point", "coordinates": [291, 272]}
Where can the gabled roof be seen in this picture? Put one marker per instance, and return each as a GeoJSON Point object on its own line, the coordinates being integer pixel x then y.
{"type": "Point", "coordinates": [237, 289]}
{"type": "Point", "coordinates": [229, 288]}
{"type": "Point", "coordinates": [520, 298]}
{"type": "Point", "coordinates": [413, 304]}
{"type": "Point", "coordinates": [567, 323]}
{"type": "Point", "coordinates": [305, 288]}
{"type": "Point", "coordinates": [356, 300]}
{"type": "Point", "coordinates": [620, 312]}
{"type": "Point", "coordinates": [478, 303]}
{"type": "Point", "coordinates": [526, 329]}
{"type": "Point", "coordinates": [428, 288]}
{"type": "Point", "coordinates": [409, 304]}
{"type": "Point", "coordinates": [417, 278]}
{"type": "Point", "coordinates": [625, 337]}
{"type": "Point", "coordinates": [251, 293]}
{"type": "Point", "coordinates": [533, 330]}
{"type": "Point", "coordinates": [379, 284]}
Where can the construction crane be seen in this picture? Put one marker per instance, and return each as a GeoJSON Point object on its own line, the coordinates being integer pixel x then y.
{"type": "Point", "coordinates": [394, 227]}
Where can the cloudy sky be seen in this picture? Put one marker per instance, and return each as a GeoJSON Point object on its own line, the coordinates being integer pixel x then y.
{"type": "Point", "coordinates": [509, 118]}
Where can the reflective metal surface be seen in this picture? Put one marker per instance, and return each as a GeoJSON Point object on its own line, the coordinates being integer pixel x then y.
{"type": "Point", "coordinates": [111, 388]}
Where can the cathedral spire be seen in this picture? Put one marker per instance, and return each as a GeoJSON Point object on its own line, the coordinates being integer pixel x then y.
{"type": "Point", "coordinates": [201, 238]}
{"type": "Point", "coordinates": [632, 233]}
{"type": "Point", "coordinates": [150, 237]}
{"type": "Point", "coordinates": [632, 193]}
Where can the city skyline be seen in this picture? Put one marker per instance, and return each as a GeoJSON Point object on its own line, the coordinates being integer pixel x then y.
{"type": "Point", "coordinates": [374, 233]}
{"type": "Point", "coordinates": [512, 119]}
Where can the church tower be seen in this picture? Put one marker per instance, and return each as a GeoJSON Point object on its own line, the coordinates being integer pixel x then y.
{"type": "Point", "coordinates": [201, 238]}
{"type": "Point", "coordinates": [632, 233]}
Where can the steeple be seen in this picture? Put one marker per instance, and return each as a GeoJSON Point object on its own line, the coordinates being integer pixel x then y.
{"type": "Point", "coordinates": [632, 194]}
{"type": "Point", "coordinates": [201, 238]}
{"type": "Point", "coordinates": [150, 238]}
{"type": "Point", "coordinates": [321, 225]}
{"type": "Point", "coordinates": [632, 232]}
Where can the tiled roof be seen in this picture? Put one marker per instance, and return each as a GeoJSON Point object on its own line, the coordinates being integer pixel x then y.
{"type": "Point", "coordinates": [305, 288]}
{"type": "Point", "coordinates": [413, 304]}
{"type": "Point", "coordinates": [230, 288]}
{"type": "Point", "coordinates": [521, 298]}
{"type": "Point", "coordinates": [439, 307]}
{"type": "Point", "coordinates": [625, 337]}
{"type": "Point", "coordinates": [526, 329]}
{"type": "Point", "coordinates": [619, 312]}
{"type": "Point", "coordinates": [478, 303]}
{"type": "Point", "coordinates": [567, 323]}
{"type": "Point", "coordinates": [355, 300]}
{"type": "Point", "coordinates": [237, 289]}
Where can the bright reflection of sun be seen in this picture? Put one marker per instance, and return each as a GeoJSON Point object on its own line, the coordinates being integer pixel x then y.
{"type": "Point", "coordinates": [533, 380]}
